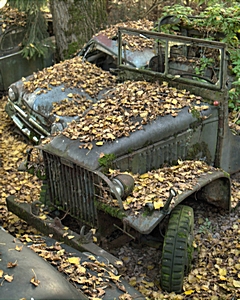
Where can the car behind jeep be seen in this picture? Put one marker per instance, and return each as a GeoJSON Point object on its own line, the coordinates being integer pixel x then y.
{"type": "Point", "coordinates": [38, 114]}
{"type": "Point", "coordinates": [13, 66]}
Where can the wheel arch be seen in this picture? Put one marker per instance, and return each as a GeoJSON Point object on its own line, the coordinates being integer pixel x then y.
{"type": "Point", "coordinates": [213, 187]}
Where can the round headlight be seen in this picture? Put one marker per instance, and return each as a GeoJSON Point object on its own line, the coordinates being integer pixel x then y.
{"type": "Point", "coordinates": [13, 93]}
{"type": "Point", "coordinates": [124, 184]}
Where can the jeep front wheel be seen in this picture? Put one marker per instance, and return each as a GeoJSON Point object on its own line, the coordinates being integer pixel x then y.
{"type": "Point", "coordinates": [177, 249]}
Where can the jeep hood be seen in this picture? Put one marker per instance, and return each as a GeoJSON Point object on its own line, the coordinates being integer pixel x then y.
{"type": "Point", "coordinates": [158, 130]}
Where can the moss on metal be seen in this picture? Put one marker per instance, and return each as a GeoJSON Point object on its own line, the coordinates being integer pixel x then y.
{"type": "Point", "coordinates": [112, 211]}
{"type": "Point", "coordinates": [106, 162]}
{"type": "Point", "coordinates": [199, 150]}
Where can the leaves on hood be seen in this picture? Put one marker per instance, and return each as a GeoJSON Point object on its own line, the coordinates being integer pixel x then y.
{"type": "Point", "coordinates": [75, 106]}
{"type": "Point", "coordinates": [126, 108]}
{"type": "Point", "coordinates": [91, 276]}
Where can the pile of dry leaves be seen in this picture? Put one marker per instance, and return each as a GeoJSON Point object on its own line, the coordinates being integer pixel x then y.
{"type": "Point", "coordinates": [73, 73]}
{"type": "Point", "coordinates": [153, 187]}
{"type": "Point", "coordinates": [11, 16]}
{"type": "Point", "coordinates": [126, 108]}
{"type": "Point", "coordinates": [132, 41]}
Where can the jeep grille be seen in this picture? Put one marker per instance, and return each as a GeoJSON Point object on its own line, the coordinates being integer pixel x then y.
{"type": "Point", "coordinates": [75, 189]}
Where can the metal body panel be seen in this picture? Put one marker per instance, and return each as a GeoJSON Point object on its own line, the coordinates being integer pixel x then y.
{"type": "Point", "coordinates": [52, 284]}
{"type": "Point", "coordinates": [72, 188]}
{"type": "Point", "coordinates": [163, 141]}
{"type": "Point", "coordinates": [74, 173]}
{"type": "Point", "coordinates": [81, 191]}
{"type": "Point", "coordinates": [13, 66]}
{"type": "Point", "coordinates": [33, 111]}
{"type": "Point", "coordinates": [105, 45]}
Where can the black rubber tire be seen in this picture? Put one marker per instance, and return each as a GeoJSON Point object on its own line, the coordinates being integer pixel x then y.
{"type": "Point", "coordinates": [177, 249]}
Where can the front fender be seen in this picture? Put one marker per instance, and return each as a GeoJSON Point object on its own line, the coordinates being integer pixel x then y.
{"type": "Point", "coordinates": [213, 187]}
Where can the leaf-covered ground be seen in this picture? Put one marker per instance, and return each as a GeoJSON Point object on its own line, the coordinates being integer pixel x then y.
{"type": "Point", "coordinates": [215, 272]}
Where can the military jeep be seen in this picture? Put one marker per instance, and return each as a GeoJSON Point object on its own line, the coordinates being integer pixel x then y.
{"type": "Point", "coordinates": [156, 139]}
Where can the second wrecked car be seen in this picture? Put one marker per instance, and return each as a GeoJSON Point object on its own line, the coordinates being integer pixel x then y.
{"type": "Point", "coordinates": [32, 103]}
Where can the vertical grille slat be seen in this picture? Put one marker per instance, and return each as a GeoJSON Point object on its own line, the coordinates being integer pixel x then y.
{"type": "Point", "coordinates": [80, 206]}
{"type": "Point", "coordinates": [84, 196]}
{"type": "Point", "coordinates": [72, 188]}
{"type": "Point", "coordinates": [92, 192]}
{"type": "Point", "coordinates": [75, 191]}
{"type": "Point", "coordinates": [62, 190]}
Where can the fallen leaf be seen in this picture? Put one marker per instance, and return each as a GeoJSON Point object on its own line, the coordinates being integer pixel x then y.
{"type": "Point", "coordinates": [236, 283]}
{"type": "Point", "coordinates": [70, 237]}
{"type": "Point", "coordinates": [8, 278]}
{"type": "Point", "coordinates": [19, 248]}
{"type": "Point", "coordinates": [74, 260]}
{"type": "Point", "coordinates": [189, 292]}
{"type": "Point", "coordinates": [35, 281]}
{"type": "Point", "coordinates": [11, 264]}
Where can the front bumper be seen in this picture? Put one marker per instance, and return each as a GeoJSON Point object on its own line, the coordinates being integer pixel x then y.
{"type": "Point", "coordinates": [26, 123]}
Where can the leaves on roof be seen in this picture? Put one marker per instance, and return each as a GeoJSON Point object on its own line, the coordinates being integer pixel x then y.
{"type": "Point", "coordinates": [137, 42]}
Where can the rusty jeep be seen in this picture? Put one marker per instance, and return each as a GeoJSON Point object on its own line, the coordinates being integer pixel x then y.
{"type": "Point", "coordinates": [156, 139]}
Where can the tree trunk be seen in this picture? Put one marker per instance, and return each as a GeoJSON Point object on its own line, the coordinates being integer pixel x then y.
{"type": "Point", "coordinates": [75, 22]}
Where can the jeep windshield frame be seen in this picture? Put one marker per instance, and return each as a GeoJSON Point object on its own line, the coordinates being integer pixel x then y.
{"type": "Point", "coordinates": [169, 41]}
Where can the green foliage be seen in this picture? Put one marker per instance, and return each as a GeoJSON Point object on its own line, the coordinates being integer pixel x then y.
{"type": "Point", "coordinates": [27, 5]}
{"type": "Point", "coordinates": [36, 27]}
{"type": "Point", "coordinates": [206, 227]}
{"type": "Point", "coordinates": [234, 93]}
{"type": "Point", "coordinates": [217, 22]}
{"type": "Point", "coordinates": [73, 48]}
{"type": "Point", "coordinates": [205, 62]}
